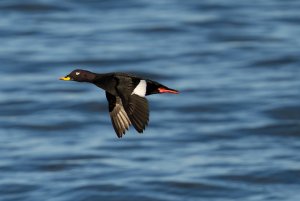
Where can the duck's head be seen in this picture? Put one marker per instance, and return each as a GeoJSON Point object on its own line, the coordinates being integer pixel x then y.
{"type": "Point", "coordinates": [79, 76]}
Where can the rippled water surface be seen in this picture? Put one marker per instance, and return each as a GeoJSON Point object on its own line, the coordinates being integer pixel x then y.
{"type": "Point", "coordinates": [233, 133]}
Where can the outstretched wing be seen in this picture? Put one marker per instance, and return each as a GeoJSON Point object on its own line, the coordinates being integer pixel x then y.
{"type": "Point", "coordinates": [119, 118]}
{"type": "Point", "coordinates": [132, 92]}
{"type": "Point", "coordinates": [137, 111]}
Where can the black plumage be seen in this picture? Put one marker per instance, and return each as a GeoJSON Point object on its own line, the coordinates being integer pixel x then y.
{"type": "Point", "coordinates": [125, 94]}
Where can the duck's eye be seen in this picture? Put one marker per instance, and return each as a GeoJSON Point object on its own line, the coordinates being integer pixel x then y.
{"type": "Point", "coordinates": [77, 73]}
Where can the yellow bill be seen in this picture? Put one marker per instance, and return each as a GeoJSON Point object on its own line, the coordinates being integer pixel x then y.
{"type": "Point", "coordinates": [65, 78]}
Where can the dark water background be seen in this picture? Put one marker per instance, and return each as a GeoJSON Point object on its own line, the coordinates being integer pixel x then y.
{"type": "Point", "coordinates": [232, 134]}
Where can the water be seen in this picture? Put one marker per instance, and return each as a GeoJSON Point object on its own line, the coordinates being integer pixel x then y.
{"type": "Point", "coordinates": [232, 133]}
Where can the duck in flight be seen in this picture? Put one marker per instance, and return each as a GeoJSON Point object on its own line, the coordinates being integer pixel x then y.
{"type": "Point", "coordinates": [125, 94]}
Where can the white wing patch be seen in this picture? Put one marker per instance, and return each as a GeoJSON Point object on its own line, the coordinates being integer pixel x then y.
{"type": "Point", "coordinates": [140, 89]}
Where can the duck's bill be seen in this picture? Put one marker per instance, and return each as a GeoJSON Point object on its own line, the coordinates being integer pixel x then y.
{"type": "Point", "coordinates": [65, 78]}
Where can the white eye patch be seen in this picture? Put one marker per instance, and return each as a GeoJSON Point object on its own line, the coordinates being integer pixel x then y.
{"type": "Point", "coordinates": [77, 73]}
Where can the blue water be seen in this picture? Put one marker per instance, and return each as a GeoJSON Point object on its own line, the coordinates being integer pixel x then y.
{"type": "Point", "coordinates": [233, 133]}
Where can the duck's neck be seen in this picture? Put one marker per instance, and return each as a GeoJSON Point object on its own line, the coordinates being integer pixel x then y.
{"type": "Point", "coordinates": [106, 81]}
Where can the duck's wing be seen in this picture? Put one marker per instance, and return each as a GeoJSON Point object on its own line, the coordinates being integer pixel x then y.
{"type": "Point", "coordinates": [137, 110]}
{"type": "Point", "coordinates": [132, 91]}
{"type": "Point", "coordinates": [118, 115]}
